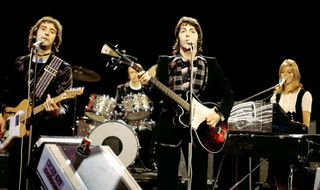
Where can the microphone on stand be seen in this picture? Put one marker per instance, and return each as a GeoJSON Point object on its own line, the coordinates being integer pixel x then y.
{"type": "Point", "coordinates": [37, 44]}
{"type": "Point", "coordinates": [281, 82]}
{"type": "Point", "coordinates": [191, 46]}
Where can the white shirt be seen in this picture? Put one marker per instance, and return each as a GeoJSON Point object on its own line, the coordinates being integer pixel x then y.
{"type": "Point", "coordinates": [288, 101]}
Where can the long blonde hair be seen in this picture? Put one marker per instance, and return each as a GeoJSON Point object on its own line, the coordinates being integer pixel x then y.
{"type": "Point", "coordinates": [296, 75]}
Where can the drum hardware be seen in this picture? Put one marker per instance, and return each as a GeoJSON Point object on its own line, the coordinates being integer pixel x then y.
{"type": "Point", "coordinates": [100, 107]}
{"type": "Point", "coordinates": [142, 125]}
{"type": "Point", "coordinates": [85, 125]}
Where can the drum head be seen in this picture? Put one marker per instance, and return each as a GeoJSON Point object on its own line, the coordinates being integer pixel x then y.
{"type": "Point", "coordinates": [121, 138]}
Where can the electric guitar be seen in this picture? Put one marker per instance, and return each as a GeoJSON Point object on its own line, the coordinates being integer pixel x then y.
{"type": "Point", "coordinates": [16, 117]}
{"type": "Point", "coordinates": [212, 139]}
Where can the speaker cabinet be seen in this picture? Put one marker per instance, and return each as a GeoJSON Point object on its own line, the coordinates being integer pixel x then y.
{"type": "Point", "coordinates": [4, 161]}
{"type": "Point", "coordinates": [102, 169]}
{"type": "Point", "coordinates": [317, 180]}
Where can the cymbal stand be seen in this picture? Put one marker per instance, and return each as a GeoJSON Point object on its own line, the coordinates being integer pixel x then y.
{"type": "Point", "coordinates": [74, 126]}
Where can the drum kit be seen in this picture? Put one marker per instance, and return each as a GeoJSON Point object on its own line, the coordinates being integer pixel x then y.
{"type": "Point", "coordinates": [126, 127]}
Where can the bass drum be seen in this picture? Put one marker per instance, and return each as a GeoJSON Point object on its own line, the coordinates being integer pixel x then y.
{"type": "Point", "coordinates": [121, 138]}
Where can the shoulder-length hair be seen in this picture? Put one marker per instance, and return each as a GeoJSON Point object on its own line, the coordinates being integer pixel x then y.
{"type": "Point", "coordinates": [296, 74]}
{"type": "Point", "coordinates": [193, 22]}
{"type": "Point", "coordinates": [47, 19]}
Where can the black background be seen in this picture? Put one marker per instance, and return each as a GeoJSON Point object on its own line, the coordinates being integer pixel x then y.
{"type": "Point", "coordinates": [249, 39]}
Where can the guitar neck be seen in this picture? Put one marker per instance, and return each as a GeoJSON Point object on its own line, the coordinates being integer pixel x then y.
{"type": "Point", "coordinates": [184, 104]}
{"type": "Point", "coordinates": [40, 108]}
{"type": "Point", "coordinates": [170, 93]}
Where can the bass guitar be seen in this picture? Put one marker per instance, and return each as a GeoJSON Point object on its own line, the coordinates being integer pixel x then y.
{"type": "Point", "coordinates": [212, 139]}
{"type": "Point", "coordinates": [16, 117]}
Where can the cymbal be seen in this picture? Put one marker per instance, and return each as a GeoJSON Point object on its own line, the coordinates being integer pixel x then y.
{"type": "Point", "coordinates": [85, 75]}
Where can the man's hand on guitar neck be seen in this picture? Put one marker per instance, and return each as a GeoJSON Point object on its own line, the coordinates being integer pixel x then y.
{"type": "Point", "coordinates": [144, 77]}
{"type": "Point", "coordinates": [52, 107]}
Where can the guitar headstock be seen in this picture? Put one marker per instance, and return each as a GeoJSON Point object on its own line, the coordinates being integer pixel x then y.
{"type": "Point", "coordinates": [72, 93]}
{"type": "Point", "coordinates": [107, 50]}
{"type": "Point", "coordinates": [121, 58]}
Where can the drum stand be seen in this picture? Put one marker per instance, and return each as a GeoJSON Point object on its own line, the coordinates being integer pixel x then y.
{"type": "Point", "coordinates": [136, 165]}
{"type": "Point", "coordinates": [74, 121]}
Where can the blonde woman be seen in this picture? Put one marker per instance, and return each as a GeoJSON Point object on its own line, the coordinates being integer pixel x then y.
{"type": "Point", "coordinates": [297, 103]}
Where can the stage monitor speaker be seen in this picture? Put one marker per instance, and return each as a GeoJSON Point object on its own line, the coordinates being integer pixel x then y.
{"type": "Point", "coordinates": [61, 140]}
{"type": "Point", "coordinates": [102, 169]}
{"type": "Point", "coordinates": [317, 180]}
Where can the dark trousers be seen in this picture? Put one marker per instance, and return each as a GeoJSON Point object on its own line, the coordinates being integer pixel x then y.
{"type": "Point", "coordinates": [168, 159]}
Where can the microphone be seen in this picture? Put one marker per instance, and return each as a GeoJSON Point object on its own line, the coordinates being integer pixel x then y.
{"type": "Point", "coordinates": [37, 44]}
{"type": "Point", "coordinates": [191, 46]}
{"type": "Point", "coordinates": [281, 82]}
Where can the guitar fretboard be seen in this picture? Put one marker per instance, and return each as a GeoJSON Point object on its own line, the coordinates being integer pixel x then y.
{"type": "Point", "coordinates": [171, 94]}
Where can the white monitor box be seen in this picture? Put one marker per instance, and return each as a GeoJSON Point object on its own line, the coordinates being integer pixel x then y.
{"type": "Point", "coordinates": [102, 169]}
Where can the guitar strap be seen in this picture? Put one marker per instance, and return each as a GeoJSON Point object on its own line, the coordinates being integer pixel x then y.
{"type": "Point", "coordinates": [50, 71]}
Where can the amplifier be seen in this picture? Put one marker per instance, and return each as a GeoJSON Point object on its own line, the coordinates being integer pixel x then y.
{"type": "Point", "coordinates": [102, 169]}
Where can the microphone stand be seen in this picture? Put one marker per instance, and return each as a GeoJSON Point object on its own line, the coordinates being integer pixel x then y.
{"type": "Point", "coordinates": [191, 118]}
{"type": "Point", "coordinates": [31, 98]}
{"type": "Point", "coordinates": [259, 93]}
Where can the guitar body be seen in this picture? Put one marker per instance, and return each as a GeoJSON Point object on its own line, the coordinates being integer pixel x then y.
{"type": "Point", "coordinates": [12, 113]}
{"type": "Point", "coordinates": [15, 128]}
{"type": "Point", "coordinates": [23, 105]}
{"type": "Point", "coordinates": [16, 117]}
{"type": "Point", "coordinates": [211, 138]}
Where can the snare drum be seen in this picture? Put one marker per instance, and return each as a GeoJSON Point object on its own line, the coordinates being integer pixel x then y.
{"type": "Point", "coordinates": [100, 107]}
{"type": "Point", "coordinates": [121, 138]}
{"type": "Point", "coordinates": [136, 106]}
